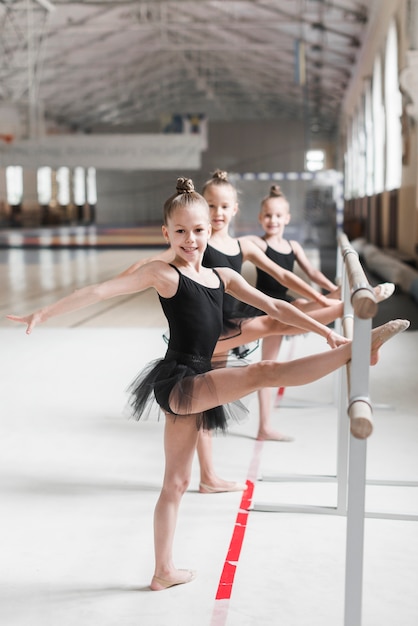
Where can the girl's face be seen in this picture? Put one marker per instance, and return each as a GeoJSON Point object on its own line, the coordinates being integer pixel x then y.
{"type": "Point", "coordinates": [274, 216]}
{"type": "Point", "coordinates": [187, 231]}
{"type": "Point", "coordinates": [222, 201]}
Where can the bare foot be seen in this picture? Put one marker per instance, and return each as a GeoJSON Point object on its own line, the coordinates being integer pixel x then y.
{"type": "Point", "coordinates": [221, 486]}
{"type": "Point", "coordinates": [273, 435]}
{"type": "Point", "coordinates": [177, 577]}
{"type": "Point", "coordinates": [383, 333]}
{"type": "Point", "coordinates": [383, 291]}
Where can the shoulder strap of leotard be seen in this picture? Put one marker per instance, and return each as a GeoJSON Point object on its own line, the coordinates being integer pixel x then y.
{"type": "Point", "coordinates": [291, 248]}
{"type": "Point", "coordinates": [180, 274]}
{"type": "Point", "coordinates": [221, 282]}
{"type": "Point", "coordinates": [176, 268]}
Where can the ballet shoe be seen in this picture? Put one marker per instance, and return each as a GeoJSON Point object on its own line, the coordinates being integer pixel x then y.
{"type": "Point", "coordinates": [204, 488]}
{"type": "Point", "coordinates": [385, 291]}
{"type": "Point", "coordinates": [279, 437]}
{"type": "Point", "coordinates": [166, 584]}
{"type": "Point", "coordinates": [383, 333]}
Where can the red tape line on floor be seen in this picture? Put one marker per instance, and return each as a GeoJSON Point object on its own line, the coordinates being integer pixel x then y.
{"type": "Point", "coordinates": [280, 392]}
{"type": "Point", "coordinates": [230, 566]}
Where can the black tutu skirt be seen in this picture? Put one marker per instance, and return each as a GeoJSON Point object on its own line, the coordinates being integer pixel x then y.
{"type": "Point", "coordinates": [235, 318]}
{"type": "Point", "coordinates": [158, 378]}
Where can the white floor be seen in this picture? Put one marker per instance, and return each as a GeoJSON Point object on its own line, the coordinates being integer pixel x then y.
{"type": "Point", "coordinates": [79, 480]}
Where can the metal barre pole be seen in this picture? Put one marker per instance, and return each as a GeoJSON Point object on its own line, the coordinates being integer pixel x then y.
{"type": "Point", "coordinates": [356, 324]}
{"type": "Point", "coordinates": [362, 295]}
{"type": "Point", "coordinates": [364, 306]}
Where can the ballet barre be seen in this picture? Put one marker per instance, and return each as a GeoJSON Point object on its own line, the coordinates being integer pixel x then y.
{"type": "Point", "coordinates": [360, 306]}
{"type": "Point", "coordinates": [355, 425]}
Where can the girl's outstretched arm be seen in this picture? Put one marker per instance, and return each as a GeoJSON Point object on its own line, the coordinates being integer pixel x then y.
{"type": "Point", "coordinates": [253, 253]}
{"type": "Point", "coordinates": [150, 275]}
{"type": "Point", "coordinates": [314, 274]}
{"type": "Point", "coordinates": [280, 310]}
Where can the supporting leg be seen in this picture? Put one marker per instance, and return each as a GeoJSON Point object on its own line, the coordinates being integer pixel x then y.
{"type": "Point", "coordinates": [180, 439]}
{"type": "Point", "coordinates": [269, 352]}
{"type": "Point", "coordinates": [209, 480]}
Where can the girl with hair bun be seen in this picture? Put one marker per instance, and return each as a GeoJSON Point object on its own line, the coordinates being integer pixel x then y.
{"type": "Point", "coordinates": [273, 217]}
{"type": "Point", "coordinates": [190, 392]}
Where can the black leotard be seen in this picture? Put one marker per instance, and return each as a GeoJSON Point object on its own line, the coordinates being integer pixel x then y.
{"type": "Point", "coordinates": [234, 311]}
{"type": "Point", "coordinates": [215, 258]}
{"type": "Point", "coordinates": [269, 285]}
{"type": "Point", "coordinates": [194, 315]}
{"type": "Point", "coordinates": [193, 308]}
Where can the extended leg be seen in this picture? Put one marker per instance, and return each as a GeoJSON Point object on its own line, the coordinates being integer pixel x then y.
{"type": "Point", "coordinates": [265, 326]}
{"type": "Point", "coordinates": [229, 384]}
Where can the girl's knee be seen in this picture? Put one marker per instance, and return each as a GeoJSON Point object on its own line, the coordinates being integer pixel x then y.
{"type": "Point", "coordinates": [265, 373]}
{"type": "Point", "coordinates": [175, 486]}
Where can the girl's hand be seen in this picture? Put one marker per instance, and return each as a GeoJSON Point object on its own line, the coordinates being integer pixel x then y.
{"type": "Point", "coordinates": [31, 320]}
{"type": "Point", "coordinates": [334, 339]}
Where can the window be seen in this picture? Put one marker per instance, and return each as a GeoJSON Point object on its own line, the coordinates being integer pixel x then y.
{"type": "Point", "coordinates": [44, 182]}
{"type": "Point", "coordinates": [368, 127]}
{"type": "Point", "coordinates": [79, 186]}
{"type": "Point", "coordinates": [393, 108]}
{"type": "Point", "coordinates": [378, 127]}
{"type": "Point", "coordinates": [315, 160]}
{"type": "Point", "coordinates": [361, 151]}
{"type": "Point", "coordinates": [14, 184]}
{"type": "Point", "coordinates": [63, 183]}
{"type": "Point", "coordinates": [348, 163]}
{"type": "Point", "coordinates": [91, 186]}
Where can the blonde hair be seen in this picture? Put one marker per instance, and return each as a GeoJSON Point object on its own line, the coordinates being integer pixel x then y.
{"type": "Point", "coordinates": [275, 192]}
{"type": "Point", "coordinates": [219, 177]}
{"type": "Point", "coordinates": [185, 196]}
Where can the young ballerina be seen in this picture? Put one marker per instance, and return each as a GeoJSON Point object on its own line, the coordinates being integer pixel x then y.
{"type": "Point", "coordinates": [191, 394]}
{"type": "Point", "coordinates": [243, 326]}
{"type": "Point", "coordinates": [273, 217]}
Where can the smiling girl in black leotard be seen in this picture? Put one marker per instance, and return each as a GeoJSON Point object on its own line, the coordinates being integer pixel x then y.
{"type": "Point", "coordinates": [274, 216]}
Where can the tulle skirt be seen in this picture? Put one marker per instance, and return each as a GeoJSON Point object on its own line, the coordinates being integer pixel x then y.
{"type": "Point", "coordinates": [177, 371]}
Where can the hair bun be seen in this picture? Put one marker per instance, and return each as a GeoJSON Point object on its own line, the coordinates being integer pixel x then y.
{"type": "Point", "coordinates": [220, 175]}
{"type": "Point", "coordinates": [184, 185]}
{"type": "Point", "coordinates": [275, 191]}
